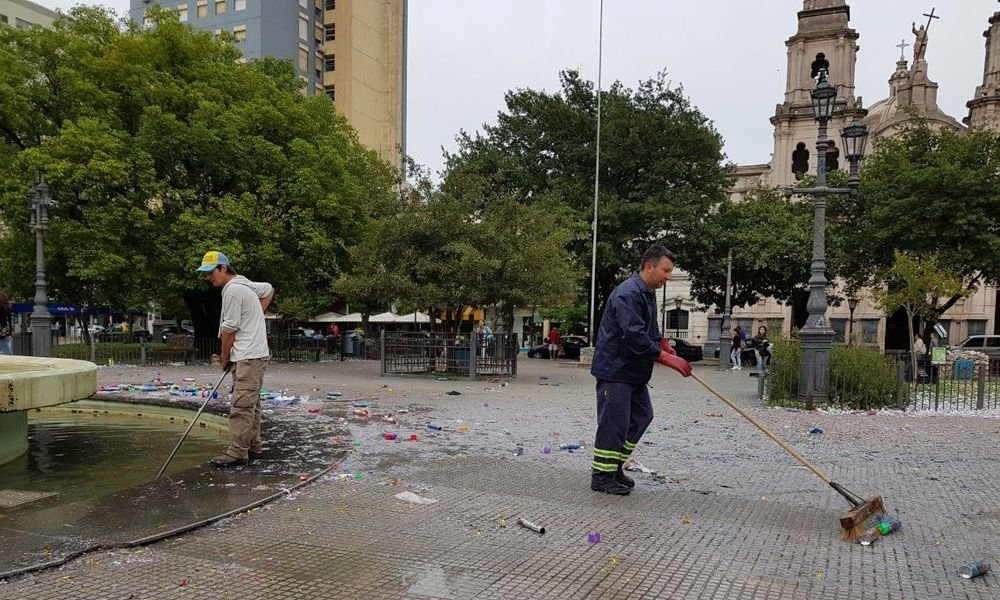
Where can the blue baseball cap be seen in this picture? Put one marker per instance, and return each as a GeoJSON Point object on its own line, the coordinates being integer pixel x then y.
{"type": "Point", "coordinates": [212, 259]}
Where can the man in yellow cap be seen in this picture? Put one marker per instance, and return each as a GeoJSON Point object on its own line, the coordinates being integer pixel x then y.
{"type": "Point", "coordinates": [244, 348]}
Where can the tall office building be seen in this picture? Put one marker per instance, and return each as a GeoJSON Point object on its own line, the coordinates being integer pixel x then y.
{"type": "Point", "coordinates": [23, 14]}
{"type": "Point", "coordinates": [351, 50]}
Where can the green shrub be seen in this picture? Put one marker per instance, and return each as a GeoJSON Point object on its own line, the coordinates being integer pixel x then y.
{"type": "Point", "coordinates": [861, 377]}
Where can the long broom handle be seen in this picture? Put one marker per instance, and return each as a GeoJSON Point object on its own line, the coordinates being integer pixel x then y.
{"type": "Point", "coordinates": [765, 431]}
{"type": "Point", "coordinates": [191, 425]}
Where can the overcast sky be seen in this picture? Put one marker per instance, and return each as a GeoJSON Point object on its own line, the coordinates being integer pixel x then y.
{"type": "Point", "coordinates": [728, 54]}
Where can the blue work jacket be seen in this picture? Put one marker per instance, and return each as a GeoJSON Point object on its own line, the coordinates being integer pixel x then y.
{"type": "Point", "coordinates": [628, 341]}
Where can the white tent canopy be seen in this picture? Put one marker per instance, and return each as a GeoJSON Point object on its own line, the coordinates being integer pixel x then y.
{"type": "Point", "coordinates": [386, 317]}
{"type": "Point", "coordinates": [329, 317]}
{"type": "Point", "coordinates": [414, 317]}
{"type": "Point", "coordinates": [351, 318]}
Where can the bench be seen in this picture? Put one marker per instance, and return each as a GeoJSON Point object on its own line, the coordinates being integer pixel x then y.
{"type": "Point", "coordinates": [179, 348]}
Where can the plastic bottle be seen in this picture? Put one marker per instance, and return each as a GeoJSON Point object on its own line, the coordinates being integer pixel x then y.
{"type": "Point", "coordinates": [389, 435]}
{"type": "Point", "coordinates": [434, 427]}
{"type": "Point", "coordinates": [869, 536]}
{"type": "Point", "coordinates": [974, 569]}
{"type": "Point", "coordinates": [889, 525]}
{"type": "Point", "coordinates": [361, 412]}
{"type": "Point", "coordinates": [570, 446]}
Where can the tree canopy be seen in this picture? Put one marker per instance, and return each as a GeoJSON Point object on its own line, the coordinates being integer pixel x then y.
{"type": "Point", "coordinates": [926, 192]}
{"type": "Point", "coordinates": [159, 145]}
{"type": "Point", "coordinates": [465, 247]}
{"type": "Point", "coordinates": [771, 239]}
{"type": "Point", "coordinates": [661, 168]}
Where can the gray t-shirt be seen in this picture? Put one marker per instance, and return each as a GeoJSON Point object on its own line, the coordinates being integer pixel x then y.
{"type": "Point", "coordinates": [243, 315]}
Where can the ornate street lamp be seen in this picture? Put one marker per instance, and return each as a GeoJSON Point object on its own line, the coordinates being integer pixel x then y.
{"type": "Point", "coordinates": [816, 337]}
{"type": "Point", "coordinates": [725, 339]}
{"type": "Point", "coordinates": [39, 200]}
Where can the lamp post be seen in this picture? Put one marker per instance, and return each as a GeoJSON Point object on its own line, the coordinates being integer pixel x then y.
{"type": "Point", "coordinates": [678, 302]}
{"type": "Point", "coordinates": [663, 312]}
{"type": "Point", "coordinates": [725, 341]}
{"type": "Point", "coordinates": [816, 337]}
{"type": "Point", "coordinates": [39, 200]}
{"type": "Point", "coordinates": [852, 304]}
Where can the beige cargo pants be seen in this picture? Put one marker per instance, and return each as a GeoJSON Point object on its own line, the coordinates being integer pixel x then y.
{"type": "Point", "coordinates": [244, 415]}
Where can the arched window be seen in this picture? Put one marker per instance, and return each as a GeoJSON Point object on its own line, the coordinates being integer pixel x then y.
{"type": "Point", "coordinates": [832, 156]}
{"type": "Point", "coordinates": [800, 160]}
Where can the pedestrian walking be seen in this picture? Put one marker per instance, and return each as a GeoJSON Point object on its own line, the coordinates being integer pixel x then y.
{"type": "Point", "coordinates": [762, 347]}
{"type": "Point", "coordinates": [6, 325]}
{"type": "Point", "coordinates": [736, 354]}
{"type": "Point", "coordinates": [628, 343]}
{"type": "Point", "coordinates": [244, 348]}
{"type": "Point", "coordinates": [555, 339]}
{"type": "Point", "coordinates": [485, 337]}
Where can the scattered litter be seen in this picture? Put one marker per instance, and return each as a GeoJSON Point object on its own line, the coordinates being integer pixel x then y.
{"type": "Point", "coordinates": [974, 569]}
{"type": "Point", "coordinates": [519, 451]}
{"type": "Point", "coordinates": [441, 379]}
{"type": "Point", "coordinates": [546, 450]}
{"type": "Point", "coordinates": [815, 430]}
{"type": "Point", "coordinates": [714, 415]}
{"type": "Point", "coordinates": [634, 465]}
{"type": "Point", "coordinates": [315, 411]}
{"type": "Point", "coordinates": [332, 394]}
{"type": "Point", "coordinates": [361, 404]}
{"type": "Point", "coordinates": [486, 404]}
{"type": "Point", "coordinates": [303, 477]}
{"type": "Point", "coordinates": [686, 520]}
{"type": "Point", "coordinates": [543, 377]}
{"type": "Point", "coordinates": [453, 393]}
{"type": "Point", "coordinates": [357, 442]}
{"type": "Point", "coordinates": [571, 446]}
{"type": "Point", "coordinates": [434, 427]}
{"type": "Point", "coordinates": [413, 437]}
{"type": "Point", "coordinates": [463, 428]}
{"type": "Point", "coordinates": [414, 498]}
{"type": "Point", "coordinates": [389, 435]}
{"type": "Point", "coordinates": [503, 522]}
{"type": "Point", "coordinates": [389, 419]}
{"type": "Point", "coordinates": [594, 537]}
{"type": "Point", "coordinates": [361, 412]}
{"type": "Point", "coordinates": [529, 525]}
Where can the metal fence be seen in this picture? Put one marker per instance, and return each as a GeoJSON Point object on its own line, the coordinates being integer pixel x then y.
{"type": "Point", "coordinates": [287, 344]}
{"type": "Point", "coordinates": [470, 355]}
{"type": "Point", "coordinates": [890, 383]}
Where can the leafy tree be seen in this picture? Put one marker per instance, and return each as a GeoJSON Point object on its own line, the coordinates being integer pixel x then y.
{"type": "Point", "coordinates": [159, 145]}
{"type": "Point", "coordinates": [661, 167]}
{"type": "Point", "coordinates": [453, 250]}
{"type": "Point", "coordinates": [916, 285]}
{"type": "Point", "coordinates": [771, 239]}
{"type": "Point", "coordinates": [927, 192]}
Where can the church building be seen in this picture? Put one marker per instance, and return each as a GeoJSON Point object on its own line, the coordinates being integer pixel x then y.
{"type": "Point", "coordinates": [824, 38]}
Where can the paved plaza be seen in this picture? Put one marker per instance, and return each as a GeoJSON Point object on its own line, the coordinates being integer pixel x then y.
{"type": "Point", "coordinates": [730, 515]}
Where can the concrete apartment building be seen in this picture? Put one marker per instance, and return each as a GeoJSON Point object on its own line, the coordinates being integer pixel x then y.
{"type": "Point", "coordinates": [23, 14]}
{"type": "Point", "coordinates": [352, 50]}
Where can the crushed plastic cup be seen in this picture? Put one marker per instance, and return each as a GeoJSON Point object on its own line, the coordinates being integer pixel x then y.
{"type": "Point", "coordinates": [389, 435]}
{"type": "Point", "coordinates": [594, 537]}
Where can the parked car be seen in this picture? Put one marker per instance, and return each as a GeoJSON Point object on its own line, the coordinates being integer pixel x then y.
{"type": "Point", "coordinates": [306, 338]}
{"type": "Point", "coordinates": [686, 350]}
{"type": "Point", "coordinates": [571, 345]}
{"type": "Point", "coordinates": [987, 344]}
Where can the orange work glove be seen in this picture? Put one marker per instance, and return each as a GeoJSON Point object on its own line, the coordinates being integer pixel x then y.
{"type": "Point", "coordinates": [675, 362]}
{"type": "Point", "coordinates": [666, 347]}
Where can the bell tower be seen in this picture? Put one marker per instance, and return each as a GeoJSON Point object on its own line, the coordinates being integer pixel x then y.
{"type": "Point", "coordinates": [824, 41]}
{"type": "Point", "coordinates": [984, 108]}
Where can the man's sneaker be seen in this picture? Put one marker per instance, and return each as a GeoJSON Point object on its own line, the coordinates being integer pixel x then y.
{"type": "Point", "coordinates": [609, 484]}
{"type": "Point", "coordinates": [224, 461]}
{"type": "Point", "coordinates": [624, 479]}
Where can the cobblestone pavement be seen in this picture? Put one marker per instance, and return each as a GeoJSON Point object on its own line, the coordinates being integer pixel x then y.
{"type": "Point", "coordinates": [734, 516]}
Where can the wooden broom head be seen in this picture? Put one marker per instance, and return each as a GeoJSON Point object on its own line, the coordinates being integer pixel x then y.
{"type": "Point", "coordinates": [853, 523]}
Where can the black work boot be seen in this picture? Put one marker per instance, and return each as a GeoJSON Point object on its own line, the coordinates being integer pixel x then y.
{"type": "Point", "coordinates": [609, 484]}
{"type": "Point", "coordinates": [624, 479]}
